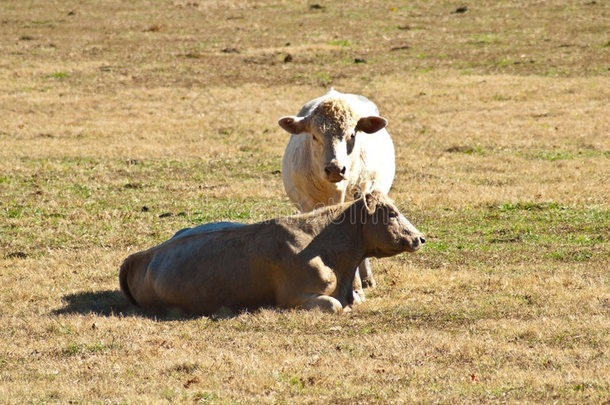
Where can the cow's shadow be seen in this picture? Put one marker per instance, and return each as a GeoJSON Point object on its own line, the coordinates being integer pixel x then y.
{"type": "Point", "coordinates": [114, 303]}
{"type": "Point", "coordinates": [104, 303]}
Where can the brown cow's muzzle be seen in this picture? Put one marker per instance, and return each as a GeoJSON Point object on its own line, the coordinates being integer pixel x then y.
{"type": "Point", "coordinates": [414, 243]}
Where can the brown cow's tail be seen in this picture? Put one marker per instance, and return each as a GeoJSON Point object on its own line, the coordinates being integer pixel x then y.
{"type": "Point", "coordinates": [123, 274]}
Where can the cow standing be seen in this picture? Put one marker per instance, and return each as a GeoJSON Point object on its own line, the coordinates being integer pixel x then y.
{"type": "Point", "coordinates": [339, 149]}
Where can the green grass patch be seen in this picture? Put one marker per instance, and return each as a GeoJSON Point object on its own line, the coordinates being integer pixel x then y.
{"type": "Point", "coordinates": [483, 39]}
{"type": "Point", "coordinates": [552, 156]}
{"type": "Point", "coordinates": [339, 42]}
{"type": "Point", "coordinates": [202, 397]}
{"type": "Point", "coordinates": [529, 206]}
{"type": "Point", "coordinates": [571, 256]}
{"type": "Point", "coordinates": [14, 212]}
{"type": "Point", "coordinates": [58, 75]}
{"type": "Point", "coordinates": [324, 78]}
{"type": "Point", "coordinates": [555, 155]}
{"type": "Point", "coordinates": [74, 348]}
{"type": "Point", "coordinates": [467, 150]}
{"type": "Point", "coordinates": [517, 231]}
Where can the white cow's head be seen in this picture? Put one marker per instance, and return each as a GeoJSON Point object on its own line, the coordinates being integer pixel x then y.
{"type": "Point", "coordinates": [334, 127]}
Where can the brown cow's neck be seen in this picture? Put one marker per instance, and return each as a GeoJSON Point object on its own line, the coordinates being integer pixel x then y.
{"type": "Point", "coordinates": [336, 235]}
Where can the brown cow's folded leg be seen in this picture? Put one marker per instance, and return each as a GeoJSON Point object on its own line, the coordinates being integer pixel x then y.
{"type": "Point", "coordinates": [322, 302]}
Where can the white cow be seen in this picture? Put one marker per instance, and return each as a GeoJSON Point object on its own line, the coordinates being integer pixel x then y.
{"type": "Point", "coordinates": [339, 149]}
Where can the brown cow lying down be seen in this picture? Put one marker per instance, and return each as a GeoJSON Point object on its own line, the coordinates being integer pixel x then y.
{"type": "Point", "coordinates": [307, 260]}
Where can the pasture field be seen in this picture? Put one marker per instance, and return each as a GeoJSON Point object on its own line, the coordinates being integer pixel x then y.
{"type": "Point", "coordinates": [122, 122]}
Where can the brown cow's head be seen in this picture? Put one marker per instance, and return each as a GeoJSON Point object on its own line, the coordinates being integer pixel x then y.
{"type": "Point", "coordinates": [334, 127]}
{"type": "Point", "coordinates": [386, 230]}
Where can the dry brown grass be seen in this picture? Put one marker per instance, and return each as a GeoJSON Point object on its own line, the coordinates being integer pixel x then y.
{"type": "Point", "coordinates": [114, 114]}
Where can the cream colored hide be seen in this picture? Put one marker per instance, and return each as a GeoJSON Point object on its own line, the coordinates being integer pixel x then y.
{"type": "Point", "coordinates": [307, 261]}
{"type": "Point", "coordinates": [339, 148]}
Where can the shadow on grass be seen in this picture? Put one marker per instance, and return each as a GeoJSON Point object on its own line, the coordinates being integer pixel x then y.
{"type": "Point", "coordinates": [114, 303]}
{"type": "Point", "coordinates": [105, 303]}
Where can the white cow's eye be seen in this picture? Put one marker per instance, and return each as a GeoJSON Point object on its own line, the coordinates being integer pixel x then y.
{"type": "Point", "coordinates": [352, 136]}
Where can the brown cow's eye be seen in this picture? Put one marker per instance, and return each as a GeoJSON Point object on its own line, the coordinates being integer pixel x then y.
{"type": "Point", "coordinates": [393, 214]}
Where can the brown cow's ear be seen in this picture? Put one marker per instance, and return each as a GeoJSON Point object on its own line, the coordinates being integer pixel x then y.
{"type": "Point", "coordinates": [371, 124]}
{"type": "Point", "coordinates": [294, 125]}
{"type": "Point", "coordinates": [370, 202]}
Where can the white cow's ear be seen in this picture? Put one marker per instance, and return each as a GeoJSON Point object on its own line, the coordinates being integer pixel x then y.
{"type": "Point", "coordinates": [293, 125]}
{"type": "Point", "coordinates": [371, 124]}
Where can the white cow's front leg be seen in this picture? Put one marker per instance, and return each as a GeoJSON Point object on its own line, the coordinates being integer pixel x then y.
{"type": "Point", "coordinates": [357, 290]}
{"type": "Point", "coordinates": [366, 274]}
{"type": "Point", "coordinates": [322, 302]}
